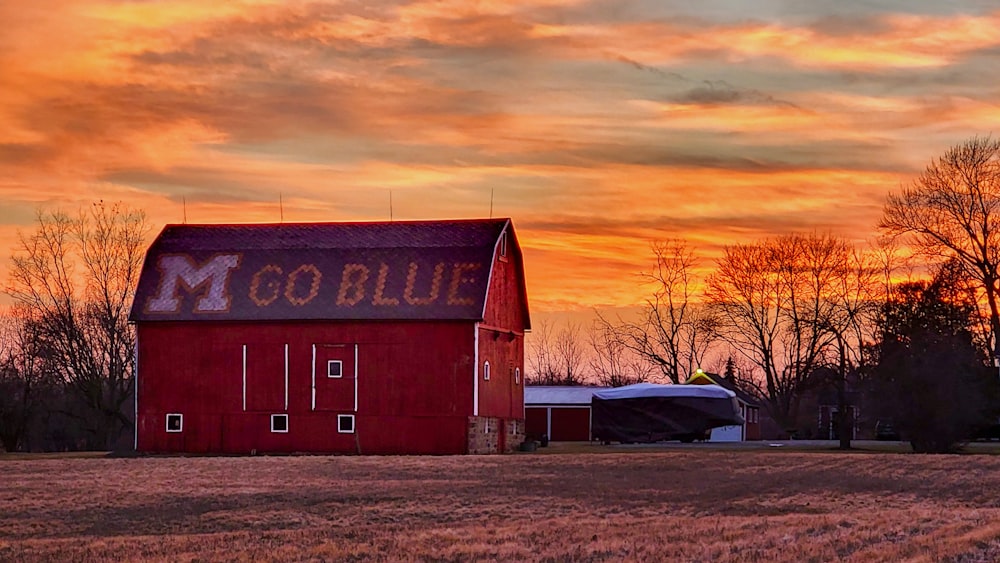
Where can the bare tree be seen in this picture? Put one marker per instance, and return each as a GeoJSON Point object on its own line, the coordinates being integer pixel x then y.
{"type": "Point", "coordinates": [613, 363]}
{"type": "Point", "coordinates": [555, 358]}
{"type": "Point", "coordinates": [673, 333]}
{"type": "Point", "coordinates": [540, 361]}
{"type": "Point", "coordinates": [570, 353]}
{"type": "Point", "coordinates": [777, 302]}
{"type": "Point", "coordinates": [76, 277]}
{"type": "Point", "coordinates": [953, 210]}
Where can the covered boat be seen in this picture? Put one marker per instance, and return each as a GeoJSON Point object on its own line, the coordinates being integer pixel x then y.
{"type": "Point", "coordinates": [647, 412]}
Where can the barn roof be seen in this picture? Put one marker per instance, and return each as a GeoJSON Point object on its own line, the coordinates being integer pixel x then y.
{"type": "Point", "coordinates": [403, 270]}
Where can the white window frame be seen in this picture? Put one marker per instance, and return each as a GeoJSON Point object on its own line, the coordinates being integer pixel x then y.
{"type": "Point", "coordinates": [180, 427]}
{"type": "Point", "coordinates": [350, 417]}
{"type": "Point", "coordinates": [503, 244]}
{"type": "Point", "coordinates": [338, 362]}
{"type": "Point", "coordinates": [517, 376]}
{"type": "Point", "coordinates": [486, 370]}
{"type": "Point", "coordinates": [486, 426]}
{"type": "Point", "coordinates": [276, 417]}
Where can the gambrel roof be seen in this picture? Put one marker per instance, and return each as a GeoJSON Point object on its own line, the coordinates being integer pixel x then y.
{"type": "Point", "coordinates": [403, 270]}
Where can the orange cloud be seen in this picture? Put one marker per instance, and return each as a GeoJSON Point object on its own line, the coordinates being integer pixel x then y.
{"type": "Point", "coordinates": [901, 41]}
{"type": "Point", "coordinates": [596, 129]}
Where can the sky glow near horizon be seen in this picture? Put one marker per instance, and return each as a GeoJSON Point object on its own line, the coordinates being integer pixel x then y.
{"type": "Point", "coordinates": [597, 126]}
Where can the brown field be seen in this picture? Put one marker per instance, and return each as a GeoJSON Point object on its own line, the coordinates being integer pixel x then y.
{"type": "Point", "coordinates": [688, 504]}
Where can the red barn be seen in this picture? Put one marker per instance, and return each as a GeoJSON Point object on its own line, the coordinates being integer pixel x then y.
{"type": "Point", "coordinates": [369, 338]}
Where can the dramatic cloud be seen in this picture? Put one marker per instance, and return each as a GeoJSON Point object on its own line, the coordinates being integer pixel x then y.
{"type": "Point", "coordinates": [597, 126]}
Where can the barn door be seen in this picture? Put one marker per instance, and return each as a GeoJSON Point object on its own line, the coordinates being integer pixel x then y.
{"type": "Point", "coordinates": [335, 381]}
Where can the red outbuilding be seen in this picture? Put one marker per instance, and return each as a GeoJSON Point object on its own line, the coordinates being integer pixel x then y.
{"type": "Point", "coordinates": [559, 412]}
{"type": "Point", "coordinates": [368, 338]}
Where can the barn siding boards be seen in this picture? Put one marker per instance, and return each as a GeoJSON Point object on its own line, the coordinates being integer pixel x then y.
{"type": "Point", "coordinates": [338, 393]}
{"type": "Point", "coordinates": [265, 377]}
{"type": "Point", "coordinates": [407, 381]}
{"type": "Point", "coordinates": [404, 368]}
{"type": "Point", "coordinates": [501, 396]}
{"type": "Point", "coordinates": [506, 307]}
{"type": "Point", "coordinates": [501, 336]}
{"type": "Point", "coordinates": [238, 323]}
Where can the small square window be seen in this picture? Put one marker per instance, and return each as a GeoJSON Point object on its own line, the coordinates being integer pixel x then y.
{"type": "Point", "coordinates": [345, 423]}
{"type": "Point", "coordinates": [279, 423]}
{"type": "Point", "coordinates": [335, 368]}
{"type": "Point", "coordinates": [175, 422]}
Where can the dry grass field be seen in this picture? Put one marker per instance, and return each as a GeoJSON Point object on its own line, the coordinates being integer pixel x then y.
{"type": "Point", "coordinates": [641, 505]}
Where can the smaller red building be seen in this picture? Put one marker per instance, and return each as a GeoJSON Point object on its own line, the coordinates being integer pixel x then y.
{"type": "Point", "coordinates": [562, 413]}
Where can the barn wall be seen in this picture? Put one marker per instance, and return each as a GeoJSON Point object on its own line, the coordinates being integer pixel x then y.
{"type": "Point", "coordinates": [414, 392]}
{"type": "Point", "coordinates": [501, 341]}
{"type": "Point", "coordinates": [504, 306]}
{"type": "Point", "coordinates": [503, 394]}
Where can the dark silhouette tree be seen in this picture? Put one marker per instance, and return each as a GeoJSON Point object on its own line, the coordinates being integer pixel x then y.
{"type": "Point", "coordinates": [932, 376]}
{"type": "Point", "coordinates": [26, 379]}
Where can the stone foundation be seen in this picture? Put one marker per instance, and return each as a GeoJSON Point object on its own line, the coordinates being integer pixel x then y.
{"type": "Point", "coordinates": [484, 434]}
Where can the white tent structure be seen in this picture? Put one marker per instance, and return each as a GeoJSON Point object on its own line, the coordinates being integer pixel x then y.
{"type": "Point", "coordinates": [647, 412]}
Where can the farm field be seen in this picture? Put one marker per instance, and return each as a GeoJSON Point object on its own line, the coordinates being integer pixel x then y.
{"type": "Point", "coordinates": [694, 504]}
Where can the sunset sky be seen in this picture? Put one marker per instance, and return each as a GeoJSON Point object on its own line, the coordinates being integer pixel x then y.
{"type": "Point", "coordinates": [597, 125]}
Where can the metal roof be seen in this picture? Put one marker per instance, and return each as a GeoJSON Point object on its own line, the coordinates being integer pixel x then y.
{"type": "Point", "coordinates": [404, 270]}
{"type": "Point", "coordinates": [559, 395]}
